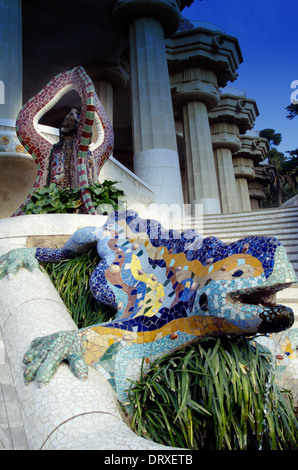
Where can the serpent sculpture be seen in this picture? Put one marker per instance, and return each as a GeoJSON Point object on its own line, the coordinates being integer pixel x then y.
{"type": "Point", "coordinates": [169, 289]}
{"type": "Point", "coordinates": [74, 161]}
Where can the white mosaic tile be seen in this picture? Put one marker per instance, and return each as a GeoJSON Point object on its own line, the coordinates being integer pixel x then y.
{"type": "Point", "coordinates": [55, 415]}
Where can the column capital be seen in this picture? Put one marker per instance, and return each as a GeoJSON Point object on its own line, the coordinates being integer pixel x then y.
{"type": "Point", "coordinates": [235, 109]}
{"type": "Point", "coordinates": [194, 84]}
{"type": "Point", "coordinates": [225, 135]}
{"type": "Point", "coordinates": [167, 12]}
{"type": "Point", "coordinates": [256, 187]}
{"type": "Point", "coordinates": [116, 75]}
{"type": "Point", "coordinates": [212, 49]}
{"type": "Point", "coordinates": [253, 150]}
{"type": "Point", "coordinates": [244, 168]}
{"type": "Point", "coordinates": [253, 147]}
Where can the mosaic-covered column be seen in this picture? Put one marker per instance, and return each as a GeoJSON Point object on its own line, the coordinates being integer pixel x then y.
{"type": "Point", "coordinates": [234, 115]}
{"type": "Point", "coordinates": [200, 61]}
{"type": "Point", "coordinates": [253, 150]}
{"type": "Point", "coordinates": [156, 158]}
{"type": "Point", "coordinates": [17, 168]}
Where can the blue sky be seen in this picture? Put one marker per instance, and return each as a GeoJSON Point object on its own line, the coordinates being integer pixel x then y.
{"type": "Point", "coordinates": [267, 34]}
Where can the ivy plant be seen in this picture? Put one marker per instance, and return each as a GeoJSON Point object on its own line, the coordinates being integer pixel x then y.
{"type": "Point", "coordinates": [50, 199]}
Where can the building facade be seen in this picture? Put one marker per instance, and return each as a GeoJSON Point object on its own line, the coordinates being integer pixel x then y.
{"type": "Point", "coordinates": [182, 134]}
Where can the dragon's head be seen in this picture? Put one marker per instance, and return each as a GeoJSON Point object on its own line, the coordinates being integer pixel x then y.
{"type": "Point", "coordinates": [237, 283]}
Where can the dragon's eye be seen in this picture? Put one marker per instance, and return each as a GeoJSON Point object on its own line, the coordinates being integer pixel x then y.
{"type": "Point", "coordinates": [237, 273]}
{"type": "Point", "coordinates": [203, 301]}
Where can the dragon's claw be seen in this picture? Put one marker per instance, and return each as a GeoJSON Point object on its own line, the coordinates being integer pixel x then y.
{"type": "Point", "coordinates": [46, 354]}
{"type": "Point", "coordinates": [14, 260]}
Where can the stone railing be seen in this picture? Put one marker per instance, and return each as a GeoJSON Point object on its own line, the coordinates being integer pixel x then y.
{"type": "Point", "coordinates": [67, 413]}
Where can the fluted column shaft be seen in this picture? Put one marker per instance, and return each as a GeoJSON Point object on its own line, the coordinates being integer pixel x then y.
{"type": "Point", "coordinates": [200, 167]}
{"type": "Point", "coordinates": [155, 149]}
{"type": "Point", "coordinates": [225, 142]}
{"type": "Point", "coordinates": [244, 172]}
{"type": "Point", "coordinates": [151, 97]}
{"type": "Point", "coordinates": [243, 194]}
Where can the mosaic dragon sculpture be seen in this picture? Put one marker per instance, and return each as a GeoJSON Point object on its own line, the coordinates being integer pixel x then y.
{"type": "Point", "coordinates": [169, 289]}
{"type": "Point", "coordinates": [76, 156]}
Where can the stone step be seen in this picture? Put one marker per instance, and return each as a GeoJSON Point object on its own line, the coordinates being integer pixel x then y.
{"type": "Point", "coordinates": [258, 224]}
{"type": "Point", "coordinates": [268, 213]}
{"type": "Point", "coordinates": [254, 217]}
{"type": "Point", "coordinates": [234, 233]}
{"type": "Point", "coordinates": [251, 219]}
{"type": "Point", "coordinates": [287, 233]}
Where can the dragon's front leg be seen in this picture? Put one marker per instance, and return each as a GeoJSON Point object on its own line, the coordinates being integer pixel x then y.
{"type": "Point", "coordinates": [11, 262]}
{"type": "Point", "coordinates": [46, 354]}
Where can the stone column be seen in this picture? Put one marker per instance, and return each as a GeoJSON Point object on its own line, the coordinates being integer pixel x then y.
{"type": "Point", "coordinates": [200, 167]}
{"type": "Point", "coordinates": [234, 115]}
{"type": "Point", "coordinates": [156, 158]}
{"type": "Point", "coordinates": [108, 79]}
{"type": "Point", "coordinates": [253, 150]}
{"type": "Point", "coordinates": [17, 168]}
{"type": "Point", "coordinates": [200, 60]}
{"type": "Point", "coordinates": [264, 174]}
{"type": "Point", "coordinates": [225, 143]}
{"type": "Point", "coordinates": [11, 58]}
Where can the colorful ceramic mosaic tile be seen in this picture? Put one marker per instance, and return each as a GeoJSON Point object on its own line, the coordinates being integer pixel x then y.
{"type": "Point", "coordinates": [169, 289]}
{"type": "Point", "coordinates": [92, 112]}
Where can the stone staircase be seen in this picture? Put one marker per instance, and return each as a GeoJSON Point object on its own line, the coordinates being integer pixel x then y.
{"type": "Point", "coordinates": [281, 223]}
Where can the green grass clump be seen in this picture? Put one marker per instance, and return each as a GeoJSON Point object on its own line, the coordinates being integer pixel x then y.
{"type": "Point", "coordinates": [218, 394]}
{"type": "Point", "coordinates": [71, 279]}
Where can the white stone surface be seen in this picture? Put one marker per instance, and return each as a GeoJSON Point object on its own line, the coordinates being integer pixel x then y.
{"type": "Point", "coordinates": [137, 191]}
{"type": "Point", "coordinates": [43, 224]}
{"type": "Point", "coordinates": [160, 169]}
{"type": "Point", "coordinates": [12, 434]}
{"type": "Point", "coordinates": [210, 205]}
